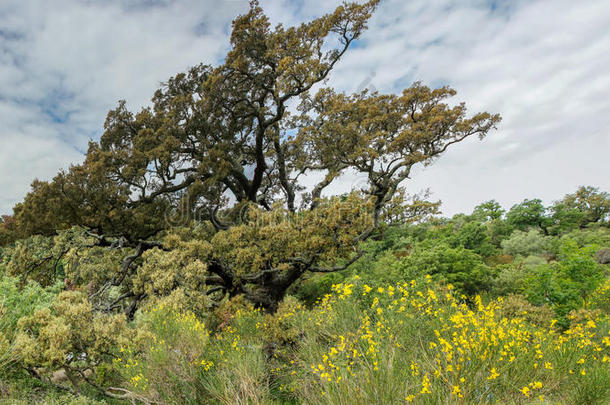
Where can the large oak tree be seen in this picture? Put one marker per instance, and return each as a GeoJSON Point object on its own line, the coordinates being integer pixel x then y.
{"type": "Point", "coordinates": [223, 151]}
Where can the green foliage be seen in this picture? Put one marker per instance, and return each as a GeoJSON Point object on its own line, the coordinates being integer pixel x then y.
{"type": "Point", "coordinates": [527, 214]}
{"type": "Point", "coordinates": [311, 289]}
{"type": "Point", "coordinates": [474, 236]}
{"type": "Point", "coordinates": [498, 230]}
{"type": "Point", "coordinates": [191, 348]}
{"type": "Point", "coordinates": [18, 301]}
{"type": "Point", "coordinates": [594, 205]}
{"type": "Point", "coordinates": [173, 359]}
{"type": "Point", "coordinates": [69, 336]}
{"type": "Point", "coordinates": [515, 306]}
{"type": "Point", "coordinates": [566, 218]}
{"type": "Point", "coordinates": [7, 231]}
{"type": "Point", "coordinates": [459, 266]}
{"type": "Point", "coordinates": [509, 279]}
{"type": "Point", "coordinates": [600, 299]}
{"type": "Point", "coordinates": [527, 243]}
{"type": "Point", "coordinates": [579, 265]}
{"type": "Point", "coordinates": [356, 345]}
{"type": "Point", "coordinates": [223, 146]}
{"type": "Point", "coordinates": [187, 221]}
{"type": "Point", "coordinates": [566, 284]}
{"type": "Point", "coordinates": [179, 362]}
{"type": "Point", "coordinates": [34, 259]}
{"type": "Point", "coordinates": [488, 211]}
{"type": "Point", "coordinates": [593, 235]}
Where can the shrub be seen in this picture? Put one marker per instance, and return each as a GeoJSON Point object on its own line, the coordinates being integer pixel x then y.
{"type": "Point", "coordinates": [459, 266]}
{"type": "Point", "coordinates": [412, 342]}
{"type": "Point", "coordinates": [509, 279]}
{"type": "Point", "coordinates": [526, 243]}
{"type": "Point", "coordinates": [68, 336]}
{"type": "Point", "coordinates": [15, 303]}
{"type": "Point", "coordinates": [600, 298]}
{"type": "Point", "coordinates": [567, 284]}
{"type": "Point", "coordinates": [180, 362]}
{"type": "Point", "coordinates": [474, 236]}
{"type": "Point", "coordinates": [516, 306]}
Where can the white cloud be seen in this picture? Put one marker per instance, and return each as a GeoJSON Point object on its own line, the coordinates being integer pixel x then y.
{"type": "Point", "coordinates": [542, 64]}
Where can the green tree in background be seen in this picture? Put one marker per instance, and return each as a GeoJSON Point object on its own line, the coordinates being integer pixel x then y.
{"type": "Point", "coordinates": [594, 205]}
{"type": "Point", "coordinates": [529, 213]}
{"type": "Point", "coordinates": [567, 283]}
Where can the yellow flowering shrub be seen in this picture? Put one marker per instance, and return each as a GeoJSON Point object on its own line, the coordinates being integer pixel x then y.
{"type": "Point", "coordinates": [422, 343]}
{"type": "Point", "coordinates": [409, 342]}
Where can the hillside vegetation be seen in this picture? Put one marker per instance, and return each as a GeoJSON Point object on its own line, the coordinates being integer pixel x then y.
{"type": "Point", "coordinates": [189, 258]}
{"type": "Point", "coordinates": [479, 308]}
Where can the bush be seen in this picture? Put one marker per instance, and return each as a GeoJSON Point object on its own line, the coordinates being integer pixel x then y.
{"type": "Point", "coordinates": [509, 279]}
{"type": "Point", "coordinates": [180, 362]}
{"type": "Point", "coordinates": [516, 306]}
{"type": "Point", "coordinates": [474, 236]}
{"type": "Point", "coordinates": [417, 342]}
{"type": "Point", "coordinates": [566, 284]}
{"type": "Point", "coordinates": [459, 266]}
{"type": "Point", "coordinates": [600, 298]}
{"type": "Point", "coordinates": [16, 303]}
{"type": "Point", "coordinates": [19, 301]}
{"type": "Point", "coordinates": [68, 336]}
{"type": "Point", "coordinates": [526, 243]}
{"type": "Point", "coordinates": [593, 235]}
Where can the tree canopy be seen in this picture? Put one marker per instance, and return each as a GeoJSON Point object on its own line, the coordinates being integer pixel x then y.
{"type": "Point", "coordinates": [204, 190]}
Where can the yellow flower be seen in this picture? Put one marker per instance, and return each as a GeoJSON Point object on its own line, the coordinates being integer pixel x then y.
{"type": "Point", "coordinates": [548, 366]}
{"type": "Point", "coordinates": [410, 398]}
{"type": "Point", "coordinates": [414, 369]}
{"type": "Point", "coordinates": [493, 374]}
{"type": "Point", "coordinates": [525, 391]}
{"type": "Point", "coordinates": [425, 385]}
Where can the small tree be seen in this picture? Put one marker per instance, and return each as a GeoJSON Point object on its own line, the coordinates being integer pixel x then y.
{"type": "Point", "coordinates": [528, 214]}
{"type": "Point", "coordinates": [592, 204]}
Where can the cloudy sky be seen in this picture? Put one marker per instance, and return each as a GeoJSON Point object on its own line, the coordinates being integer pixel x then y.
{"type": "Point", "coordinates": [544, 65]}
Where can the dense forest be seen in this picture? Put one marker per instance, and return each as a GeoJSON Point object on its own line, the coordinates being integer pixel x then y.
{"type": "Point", "coordinates": [185, 261]}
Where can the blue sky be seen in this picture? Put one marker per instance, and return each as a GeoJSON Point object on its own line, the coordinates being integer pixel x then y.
{"type": "Point", "coordinates": [543, 65]}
